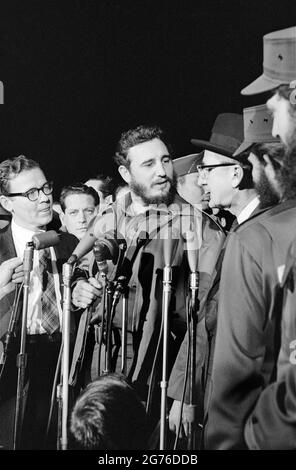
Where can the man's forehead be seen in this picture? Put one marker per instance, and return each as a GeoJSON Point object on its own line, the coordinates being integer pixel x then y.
{"type": "Point", "coordinates": [212, 157]}
{"type": "Point", "coordinates": [151, 149]}
{"type": "Point", "coordinates": [76, 200]}
{"type": "Point", "coordinates": [28, 179]}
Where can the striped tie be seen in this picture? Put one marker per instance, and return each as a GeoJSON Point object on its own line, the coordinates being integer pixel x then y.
{"type": "Point", "coordinates": [50, 319]}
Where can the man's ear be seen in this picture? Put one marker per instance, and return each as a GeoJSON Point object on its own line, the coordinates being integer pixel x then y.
{"type": "Point", "coordinates": [124, 173]}
{"type": "Point", "coordinates": [6, 203]}
{"type": "Point", "coordinates": [238, 174]}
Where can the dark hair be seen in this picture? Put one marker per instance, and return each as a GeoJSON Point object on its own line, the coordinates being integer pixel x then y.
{"type": "Point", "coordinates": [108, 415]}
{"type": "Point", "coordinates": [107, 184]}
{"type": "Point", "coordinates": [120, 185]}
{"type": "Point", "coordinates": [10, 168]}
{"type": "Point", "coordinates": [78, 188]}
{"type": "Point", "coordinates": [138, 136]}
{"type": "Point", "coordinates": [288, 173]}
{"type": "Point", "coordinates": [275, 151]}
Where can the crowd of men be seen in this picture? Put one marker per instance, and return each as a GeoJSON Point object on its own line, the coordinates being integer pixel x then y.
{"type": "Point", "coordinates": [227, 213]}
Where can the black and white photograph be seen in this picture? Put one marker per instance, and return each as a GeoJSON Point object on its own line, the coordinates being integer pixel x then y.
{"type": "Point", "coordinates": [147, 228]}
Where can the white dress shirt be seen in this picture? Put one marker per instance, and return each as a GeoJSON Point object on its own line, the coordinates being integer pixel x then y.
{"type": "Point", "coordinates": [248, 210]}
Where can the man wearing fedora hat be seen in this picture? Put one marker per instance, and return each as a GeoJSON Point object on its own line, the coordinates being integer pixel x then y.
{"type": "Point", "coordinates": [232, 187]}
{"type": "Point", "coordinates": [279, 76]}
{"type": "Point", "coordinates": [231, 182]}
{"type": "Point", "coordinates": [250, 383]}
{"type": "Point", "coordinates": [190, 188]}
{"type": "Point", "coordinates": [219, 165]}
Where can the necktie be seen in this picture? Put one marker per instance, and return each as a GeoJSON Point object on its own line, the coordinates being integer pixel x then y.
{"type": "Point", "coordinates": [50, 319]}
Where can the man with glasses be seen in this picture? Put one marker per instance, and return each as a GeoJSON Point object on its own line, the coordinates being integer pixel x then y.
{"type": "Point", "coordinates": [230, 187]}
{"type": "Point", "coordinates": [228, 182]}
{"type": "Point", "coordinates": [27, 195]}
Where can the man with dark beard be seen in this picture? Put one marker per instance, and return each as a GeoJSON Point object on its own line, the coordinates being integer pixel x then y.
{"type": "Point", "coordinates": [144, 218]}
{"type": "Point", "coordinates": [266, 159]}
{"type": "Point", "coordinates": [272, 422]}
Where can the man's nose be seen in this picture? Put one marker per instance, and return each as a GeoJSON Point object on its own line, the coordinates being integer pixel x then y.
{"type": "Point", "coordinates": [43, 197]}
{"type": "Point", "coordinates": [81, 216]}
{"type": "Point", "coordinates": [201, 181]}
{"type": "Point", "coordinates": [160, 169]}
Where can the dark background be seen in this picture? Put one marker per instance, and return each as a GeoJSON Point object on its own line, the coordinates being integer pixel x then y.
{"type": "Point", "coordinates": [77, 73]}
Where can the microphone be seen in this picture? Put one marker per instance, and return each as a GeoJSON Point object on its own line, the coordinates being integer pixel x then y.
{"type": "Point", "coordinates": [169, 245]}
{"type": "Point", "coordinates": [45, 239]}
{"type": "Point", "coordinates": [119, 289]}
{"type": "Point", "coordinates": [192, 246]}
{"type": "Point", "coordinates": [105, 249]}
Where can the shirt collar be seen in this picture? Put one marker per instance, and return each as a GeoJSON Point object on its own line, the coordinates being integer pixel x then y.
{"type": "Point", "coordinates": [21, 236]}
{"type": "Point", "coordinates": [248, 210]}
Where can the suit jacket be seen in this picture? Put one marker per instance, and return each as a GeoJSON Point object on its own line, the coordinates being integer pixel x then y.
{"type": "Point", "coordinates": [249, 317]}
{"type": "Point", "coordinates": [7, 250]}
{"type": "Point", "coordinates": [272, 423]}
{"type": "Point", "coordinates": [206, 330]}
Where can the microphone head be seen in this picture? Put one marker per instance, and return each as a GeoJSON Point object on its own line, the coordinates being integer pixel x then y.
{"type": "Point", "coordinates": [192, 245]}
{"type": "Point", "coordinates": [106, 249]}
{"type": "Point", "coordinates": [45, 239]}
{"type": "Point", "coordinates": [169, 244]}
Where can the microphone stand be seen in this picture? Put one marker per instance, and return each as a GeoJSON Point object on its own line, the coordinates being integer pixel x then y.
{"type": "Point", "coordinates": [108, 351]}
{"type": "Point", "coordinates": [63, 389]}
{"type": "Point", "coordinates": [103, 320]}
{"type": "Point", "coordinates": [124, 329]}
{"type": "Point", "coordinates": [22, 356]}
{"type": "Point", "coordinates": [166, 297]}
{"type": "Point", "coordinates": [193, 245]}
{"type": "Point", "coordinates": [193, 309]}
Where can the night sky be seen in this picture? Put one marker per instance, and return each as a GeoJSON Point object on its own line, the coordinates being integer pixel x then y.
{"type": "Point", "coordinates": [77, 73]}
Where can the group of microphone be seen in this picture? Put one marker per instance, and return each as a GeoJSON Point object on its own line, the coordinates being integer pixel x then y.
{"type": "Point", "coordinates": [108, 248]}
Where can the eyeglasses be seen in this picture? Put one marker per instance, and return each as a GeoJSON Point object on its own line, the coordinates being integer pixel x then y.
{"type": "Point", "coordinates": [204, 170]}
{"type": "Point", "coordinates": [33, 194]}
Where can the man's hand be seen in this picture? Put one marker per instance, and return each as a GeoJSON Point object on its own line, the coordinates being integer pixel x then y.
{"type": "Point", "coordinates": [85, 292]}
{"type": "Point", "coordinates": [11, 273]}
{"type": "Point", "coordinates": [174, 418]}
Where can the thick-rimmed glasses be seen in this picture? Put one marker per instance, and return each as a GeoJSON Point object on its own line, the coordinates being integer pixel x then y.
{"type": "Point", "coordinates": [204, 170]}
{"type": "Point", "coordinates": [33, 193]}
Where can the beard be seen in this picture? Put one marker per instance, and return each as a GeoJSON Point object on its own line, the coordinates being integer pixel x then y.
{"type": "Point", "coordinates": [268, 195]}
{"type": "Point", "coordinates": [288, 173]}
{"type": "Point", "coordinates": [167, 197]}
